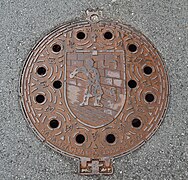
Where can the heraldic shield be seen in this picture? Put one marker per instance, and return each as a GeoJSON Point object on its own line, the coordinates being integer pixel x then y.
{"type": "Point", "coordinates": [95, 90]}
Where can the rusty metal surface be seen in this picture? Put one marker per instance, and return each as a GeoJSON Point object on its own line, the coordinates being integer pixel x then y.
{"type": "Point", "coordinates": [95, 90]}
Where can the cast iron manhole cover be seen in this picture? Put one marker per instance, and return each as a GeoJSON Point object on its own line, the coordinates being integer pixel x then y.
{"type": "Point", "coordinates": [95, 90]}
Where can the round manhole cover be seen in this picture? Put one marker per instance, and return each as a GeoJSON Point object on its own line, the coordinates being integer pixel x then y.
{"type": "Point", "coordinates": [95, 90]}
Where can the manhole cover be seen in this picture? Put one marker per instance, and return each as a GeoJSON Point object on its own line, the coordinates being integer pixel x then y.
{"type": "Point", "coordinates": [95, 90]}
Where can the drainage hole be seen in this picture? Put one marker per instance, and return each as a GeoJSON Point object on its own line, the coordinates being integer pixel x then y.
{"type": "Point", "coordinates": [147, 70]}
{"type": "Point", "coordinates": [80, 138]}
{"type": "Point", "coordinates": [132, 84]}
{"type": "Point", "coordinates": [149, 97]}
{"type": "Point", "coordinates": [56, 48]}
{"type": "Point", "coordinates": [136, 123]}
{"type": "Point", "coordinates": [110, 138]}
{"type": "Point", "coordinates": [108, 35]}
{"type": "Point", "coordinates": [41, 71]}
{"type": "Point", "coordinates": [57, 84]}
{"type": "Point", "coordinates": [81, 35]}
{"type": "Point", "coordinates": [54, 123]}
{"type": "Point", "coordinates": [132, 48]}
{"type": "Point", "coordinates": [40, 98]}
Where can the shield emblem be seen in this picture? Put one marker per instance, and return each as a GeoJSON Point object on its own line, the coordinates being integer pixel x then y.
{"type": "Point", "coordinates": [95, 90]}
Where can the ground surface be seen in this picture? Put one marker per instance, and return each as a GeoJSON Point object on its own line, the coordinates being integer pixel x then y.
{"type": "Point", "coordinates": [23, 22]}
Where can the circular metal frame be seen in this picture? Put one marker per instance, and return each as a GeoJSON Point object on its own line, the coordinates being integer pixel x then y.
{"type": "Point", "coordinates": [94, 99]}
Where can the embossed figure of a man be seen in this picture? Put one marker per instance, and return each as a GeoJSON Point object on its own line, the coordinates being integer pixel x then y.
{"type": "Point", "coordinates": [93, 88]}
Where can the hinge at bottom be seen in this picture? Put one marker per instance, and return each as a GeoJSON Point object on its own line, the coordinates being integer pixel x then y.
{"type": "Point", "coordinates": [95, 166]}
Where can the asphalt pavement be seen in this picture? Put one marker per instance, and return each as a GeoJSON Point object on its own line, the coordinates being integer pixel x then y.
{"type": "Point", "coordinates": [24, 22]}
